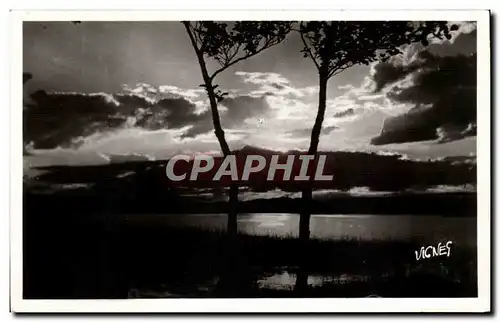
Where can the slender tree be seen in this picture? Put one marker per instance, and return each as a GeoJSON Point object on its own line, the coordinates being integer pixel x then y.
{"type": "Point", "coordinates": [227, 46]}
{"type": "Point", "coordinates": [335, 46]}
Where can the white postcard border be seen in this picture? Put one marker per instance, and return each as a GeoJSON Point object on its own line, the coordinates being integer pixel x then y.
{"type": "Point", "coordinates": [355, 305]}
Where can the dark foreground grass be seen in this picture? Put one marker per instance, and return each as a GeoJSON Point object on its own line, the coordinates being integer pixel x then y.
{"type": "Point", "coordinates": [99, 256]}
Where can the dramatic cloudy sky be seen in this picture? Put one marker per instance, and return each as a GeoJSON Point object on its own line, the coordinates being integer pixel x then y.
{"type": "Point", "coordinates": [108, 88]}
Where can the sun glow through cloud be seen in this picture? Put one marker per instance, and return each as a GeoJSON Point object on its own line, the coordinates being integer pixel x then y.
{"type": "Point", "coordinates": [273, 109]}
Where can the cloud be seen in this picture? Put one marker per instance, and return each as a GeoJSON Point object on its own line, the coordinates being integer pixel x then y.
{"type": "Point", "coordinates": [345, 87]}
{"type": "Point", "coordinates": [263, 78]}
{"type": "Point", "coordinates": [464, 27]}
{"type": "Point", "coordinates": [443, 93]}
{"type": "Point", "coordinates": [63, 119]}
{"type": "Point", "coordinates": [398, 67]}
{"type": "Point", "coordinates": [451, 132]}
{"type": "Point", "coordinates": [351, 106]}
{"type": "Point", "coordinates": [55, 119]}
{"type": "Point", "coordinates": [234, 111]}
{"type": "Point", "coordinates": [274, 84]}
{"type": "Point", "coordinates": [171, 113]}
{"type": "Point", "coordinates": [67, 119]}
{"type": "Point", "coordinates": [293, 109]}
{"type": "Point", "coordinates": [192, 110]}
{"type": "Point", "coordinates": [306, 132]}
{"type": "Point", "coordinates": [154, 94]}
{"type": "Point", "coordinates": [241, 108]}
{"type": "Point", "coordinates": [341, 114]}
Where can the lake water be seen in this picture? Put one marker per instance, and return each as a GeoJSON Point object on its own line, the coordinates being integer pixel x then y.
{"type": "Point", "coordinates": [428, 229]}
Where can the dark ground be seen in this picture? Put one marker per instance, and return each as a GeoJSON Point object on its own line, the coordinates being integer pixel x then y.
{"type": "Point", "coordinates": [78, 254]}
{"type": "Point", "coordinates": [76, 243]}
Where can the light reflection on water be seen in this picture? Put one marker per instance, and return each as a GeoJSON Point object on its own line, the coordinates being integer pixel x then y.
{"type": "Point", "coordinates": [428, 229]}
{"type": "Point", "coordinates": [286, 280]}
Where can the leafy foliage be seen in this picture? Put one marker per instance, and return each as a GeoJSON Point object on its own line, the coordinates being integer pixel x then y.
{"type": "Point", "coordinates": [337, 45]}
{"type": "Point", "coordinates": [230, 43]}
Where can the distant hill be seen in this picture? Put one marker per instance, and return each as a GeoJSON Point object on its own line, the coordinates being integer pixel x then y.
{"type": "Point", "coordinates": [122, 158]}
{"type": "Point", "coordinates": [350, 169]}
{"type": "Point", "coordinates": [139, 186]}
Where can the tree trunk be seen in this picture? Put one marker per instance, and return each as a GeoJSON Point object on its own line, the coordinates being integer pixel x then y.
{"type": "Point", "coordinates": [232, 223]}
{"type": "Point", "coordinates": [305, 216]}
{"type": "Point", "coordinates": [232, 226]}
{"type": "Point", "coordinates": [318, 123]}
{"type": "Point", "coordinates": [219, 132]}
{"type": "Point", "coordinates": [301, 285]}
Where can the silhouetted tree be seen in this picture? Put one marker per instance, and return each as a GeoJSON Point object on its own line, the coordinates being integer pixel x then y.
{"type": "Point", "coordinates": [337, 45]}
{"type": "Point", "coordinates": [334, 47]}
{"type": "Point", "coordinates": [228, 45]}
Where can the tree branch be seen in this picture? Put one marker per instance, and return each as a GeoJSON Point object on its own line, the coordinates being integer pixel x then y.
{"type": "Point", "coordinates": [229, 64]}
{"type": "Point", "coordinates": [195, 34]}
{"type": "Point", "coordinates": [199, 55]}
{"type": "Point", "coordinates": [236, 50]}
{"type": "Point", "coordinates": [191, 35]}
{"type": "Point", "coordinates": [339, 69]}
{"type": "Point", "coordinates": [308, 49]}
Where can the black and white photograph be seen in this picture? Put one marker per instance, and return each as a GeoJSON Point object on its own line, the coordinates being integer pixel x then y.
{"type": "Point", "coordinates": [274, 158]}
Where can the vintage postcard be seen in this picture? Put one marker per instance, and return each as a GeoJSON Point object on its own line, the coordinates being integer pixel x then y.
{"type": "Point", "coordinates": [263, 161]}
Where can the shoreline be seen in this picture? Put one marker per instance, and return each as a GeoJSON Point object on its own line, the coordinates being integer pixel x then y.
{"type": "Point", "coordinates": [453, 204]}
